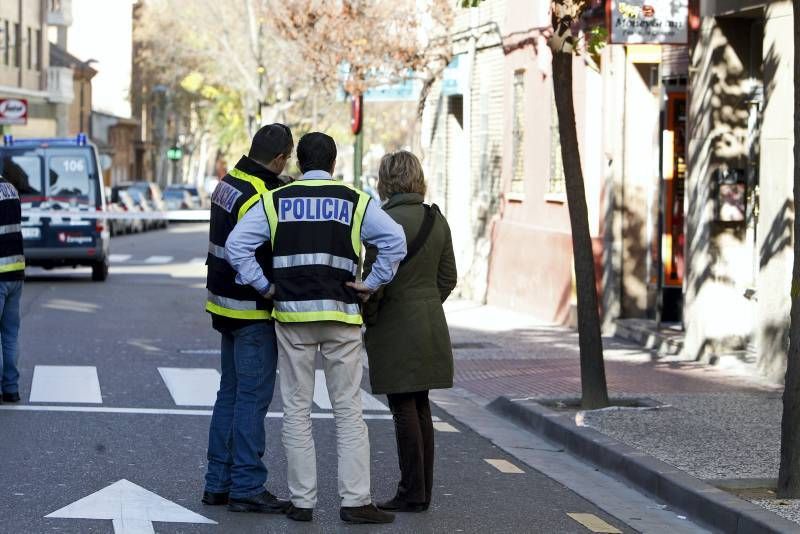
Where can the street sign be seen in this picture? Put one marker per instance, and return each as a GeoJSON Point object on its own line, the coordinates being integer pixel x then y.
{"type": "Point", "coordinates": [13, 111]}
{"type": "Point", "coordinates": [131, 509]}
{"type": "Point", "coordinates": [174, 153]}
{"type": "Point", "coordinates": [648, 21]}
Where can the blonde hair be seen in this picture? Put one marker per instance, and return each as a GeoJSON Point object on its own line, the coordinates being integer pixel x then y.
{"type": "Point", "coordinates": [400, 172]}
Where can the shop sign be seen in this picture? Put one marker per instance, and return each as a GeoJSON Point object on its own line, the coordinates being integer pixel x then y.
{"type": "Point", "coordinates": [648, 21]}
{"type": "Point", "coordinates": [13, 111]}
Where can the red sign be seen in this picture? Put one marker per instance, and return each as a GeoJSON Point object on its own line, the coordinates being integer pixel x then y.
{"type": "Point", "coordinates": [13, 111]}
{"type": "Point", "coordinates": [356, 118]}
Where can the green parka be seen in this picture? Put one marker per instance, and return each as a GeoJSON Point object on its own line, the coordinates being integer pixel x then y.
{"type": "Point", "coordinates": [407, 339]}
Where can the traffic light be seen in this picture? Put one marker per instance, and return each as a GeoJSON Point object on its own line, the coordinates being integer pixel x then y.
{"type": "Point", "coordinates": [174, 153]}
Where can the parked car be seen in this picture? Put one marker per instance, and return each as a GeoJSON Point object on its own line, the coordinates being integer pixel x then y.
{"type": "Point", "coordinates": [178, 198]}
{"type": "Point", "coordinates": [201, 199]}
{"type": "Point", "coordinates": [150, 193]}
{"type": "Point", "coordinates": [56, 175]}
{"type": "Point", "coordinates": [126, 204]}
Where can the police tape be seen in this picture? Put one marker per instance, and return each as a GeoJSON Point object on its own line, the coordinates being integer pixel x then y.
{"type": "Point", "coordinates": [174, 215]}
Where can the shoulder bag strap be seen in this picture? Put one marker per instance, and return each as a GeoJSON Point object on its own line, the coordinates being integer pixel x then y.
{"type": "Point", "coordinates": [423, 234]}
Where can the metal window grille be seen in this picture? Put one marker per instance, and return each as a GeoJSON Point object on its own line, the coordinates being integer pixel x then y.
{"type": "Point", "coordinates": [518, 134]}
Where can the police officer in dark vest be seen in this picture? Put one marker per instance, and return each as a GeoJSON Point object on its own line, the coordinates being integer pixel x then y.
{"type": "Point", "coordinates": [12, 274]}
{"type": "Point", "coordinates": [316, 226]}
{"type": "Point", "coordinates": [236, 475]}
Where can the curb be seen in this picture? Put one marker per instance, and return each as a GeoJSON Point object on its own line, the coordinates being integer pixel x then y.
{"type": "Point", "coordinates": [676, 488]}
{"type": "Point", "coordinates": [648, 338]}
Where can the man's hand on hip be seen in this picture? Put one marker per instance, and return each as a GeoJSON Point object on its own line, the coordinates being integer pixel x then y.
{"type": "Point", "coordinates": [269, 293]}
{"type": "Point", "coordinates": [364, 292]}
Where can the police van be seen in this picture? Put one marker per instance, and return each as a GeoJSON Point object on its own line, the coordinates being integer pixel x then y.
{"type": "Point", "coordinates": [56, 175]}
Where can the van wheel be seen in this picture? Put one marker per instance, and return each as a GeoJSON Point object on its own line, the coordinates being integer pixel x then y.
{"type": "Point", "coordinates": [100, 271]}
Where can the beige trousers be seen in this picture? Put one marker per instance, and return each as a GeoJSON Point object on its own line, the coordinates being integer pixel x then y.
{"type": "Point", "coordinates": [340, 345]}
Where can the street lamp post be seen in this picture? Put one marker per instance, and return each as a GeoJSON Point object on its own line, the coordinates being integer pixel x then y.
{"type": "Point", "coordinates": [356, 125]}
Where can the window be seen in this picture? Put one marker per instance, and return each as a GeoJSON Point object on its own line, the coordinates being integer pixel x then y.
{"type": "Point", "coordinates": [555, 184]}
{"type": "Point", "coordinates": [30, 49]}
{"type": "Point", "coordinates": [38, 47]}
{"type": "Point", "coordinates": [17, 45]}
{"type": "Point", "coordinates": [69, 177]}
{"type": "Point", "coordinates": [24, 172]}
{"type": "Point", "coordinates": [6, 43]}
{"type": "Point", "coordinates": [518, 135]}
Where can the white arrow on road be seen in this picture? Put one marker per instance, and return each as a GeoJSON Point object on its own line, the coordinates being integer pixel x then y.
{"type": "Point", "coordinates": [131, 508]}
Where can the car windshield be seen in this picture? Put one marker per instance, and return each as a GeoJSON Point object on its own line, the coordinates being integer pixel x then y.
{"type": "Point", "coordinates": [139, 191]}
{"type": "Point", "coordinates": [174, 193]}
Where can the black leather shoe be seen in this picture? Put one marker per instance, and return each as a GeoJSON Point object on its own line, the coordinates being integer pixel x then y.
{"type": "Point", "coordinates": [10, 397]}
{"type": "Point", "coordinates": [399, 505]}
{"type": "Point", "coordinates": [215, 499]}
{"type": "Point", "coordinates": [300, 514]}
{"type": "Point", "coordinates": [365, 514]}
{"type": "Point", "coordinates": [263, 503]}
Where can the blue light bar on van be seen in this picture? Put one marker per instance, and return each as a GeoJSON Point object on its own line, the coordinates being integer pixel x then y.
{"type": "Point", "coordinates": [80, 140]}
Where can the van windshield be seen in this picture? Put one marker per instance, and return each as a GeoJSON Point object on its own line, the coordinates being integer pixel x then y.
{"type": "Point", "coordinates": [24, 172]}
{"type": "Point", "coordinates": [69, 178]}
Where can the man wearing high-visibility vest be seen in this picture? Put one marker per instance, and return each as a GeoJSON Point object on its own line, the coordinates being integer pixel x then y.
{"type": "Point", "coordinates": [12, 274]}
{"type": "Point", "coordinates": [236, 474]}
{"type": "Point", "coordinates": [316, 227]}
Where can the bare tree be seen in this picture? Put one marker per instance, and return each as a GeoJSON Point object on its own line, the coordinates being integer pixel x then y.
{"type": "Point", "coordinates": [563, 43]}
{"type": "Point", "coordinates": [789, 472]}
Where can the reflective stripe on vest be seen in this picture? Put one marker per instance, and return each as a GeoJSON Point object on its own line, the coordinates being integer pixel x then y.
{"type": "Point", "coordinates": [235, 309]}
{"type": "Point", "coordinates": [257, 183]}
{"type": "Point", "coordinates": [216, 250]}
{"type": "Point", "coordinates": [10, 229]}
{"type": "Point", "coordinates": [305, 260]}
{"type": "Point", "coordinates": [12, 263]}
{"type": "Point", "coordinates": [303, 311]}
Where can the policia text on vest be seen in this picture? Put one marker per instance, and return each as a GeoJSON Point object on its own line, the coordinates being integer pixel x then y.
{"type": "Point", "coordinates": [233, 305]}
{"type": "Point", "coordinates": [315, 230]}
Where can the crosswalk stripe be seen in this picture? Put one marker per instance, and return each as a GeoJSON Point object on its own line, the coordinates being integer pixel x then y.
{"type": "Point", "coordinates": [65, 383]}
{"type": "Point", "coordinates": [158, 411]}
{"type": "Point", "coordinates": [158, 259]}
{"type": "Point", "coordinates": [197, 261]}
{"type": "Point", "coordinates": [594, 523]}
{"type": "Point", "coordinates": [504, 466]}
{"type": "Point", "coordinates": [441, 426]}
{"type": "Point", "coordinates": [119, 258]}
{"type": "Point", "coordinates": [323, 400]}
{"type": "Point", "coordinates": [192, 386]}
{"type": "Point", "coordinates": [321, 396]}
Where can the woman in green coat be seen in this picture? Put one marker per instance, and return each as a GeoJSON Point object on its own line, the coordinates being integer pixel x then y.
{"type": "Point", "coordinates": [407, 339]}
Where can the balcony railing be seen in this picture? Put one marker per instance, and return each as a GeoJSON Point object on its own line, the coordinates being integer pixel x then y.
{"type": "Point", "coordinates": [59, 85]}
{"type": "Point", "coordinates": [59, 12]}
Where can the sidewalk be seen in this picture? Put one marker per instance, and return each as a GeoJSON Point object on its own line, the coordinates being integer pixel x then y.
{"type": "Point", "coordinates": [717, 424]}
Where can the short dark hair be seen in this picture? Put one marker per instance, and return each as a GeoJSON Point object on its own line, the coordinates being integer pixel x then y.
{"type": "Point", "coordinates": [316, 152]}
{"type": "Point", "coordinates": [271, 141]}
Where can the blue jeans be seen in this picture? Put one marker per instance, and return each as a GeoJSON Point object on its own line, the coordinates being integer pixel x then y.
{"type": "Point", "coordinates": [10, 297]}
{"type": "Point", "coordinates": [236, 439]}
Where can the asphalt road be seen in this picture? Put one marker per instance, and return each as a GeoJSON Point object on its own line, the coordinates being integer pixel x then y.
{"type": "Point", "coordinates": [80, 434]}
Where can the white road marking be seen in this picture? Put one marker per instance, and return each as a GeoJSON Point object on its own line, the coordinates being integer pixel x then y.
{"type": "Point", "coordinates": [197, 261]}
{"type": "Point", "coordinates": [191, 387]}
{"type": "Point", "coordinates": [159, 260]}
{"type": "Point", "coordinates": [442, 426]}
{"type": "Point", "coordinates": [71, 306]}
{"type": "Point", "coordinates": [156, 411]}
{"type": "Point", "coordinates": [323, 400]}
{"type": "Point", "coordinates": [321, 396]}
{"type": "Point", "coordinates": [70, 383]}
{"type": "Point", "coordinates": [504, 466]}
{"type": "Point", "coordinates": [594, 523]}
{"type": "Point", "coordinates": [200, 351]}
{"type": "Point", "coordinates": [131, 508]}
{"type": "Point", "coordinates": [369, 402]}
{"type": "Point", "coordinates": [119, 258]}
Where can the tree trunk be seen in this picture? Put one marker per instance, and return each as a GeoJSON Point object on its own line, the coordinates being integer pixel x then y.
{"type": "Point", "coordinates": [593, 375]}
{"type": "Point", "coordinates": [789, 473]}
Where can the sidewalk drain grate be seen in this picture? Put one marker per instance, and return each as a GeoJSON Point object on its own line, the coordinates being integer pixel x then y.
{"type": "Point", "coordinates": [473, 345]}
